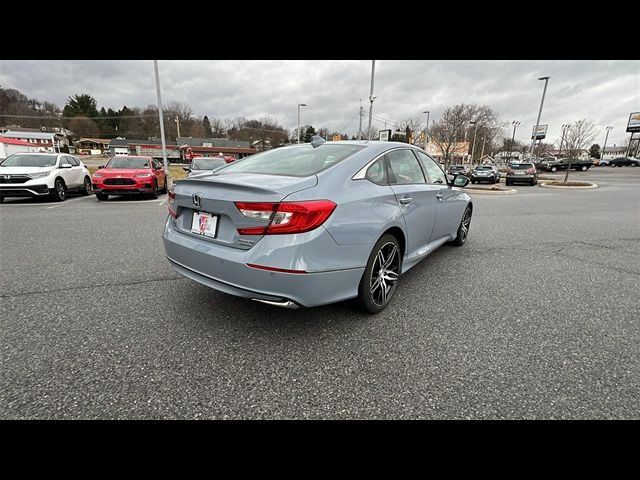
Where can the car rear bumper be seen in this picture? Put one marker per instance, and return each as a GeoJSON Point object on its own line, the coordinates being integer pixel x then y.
{"type": "Point", "coordinates": [225, 269]}
{"type": "Point", "coordinates": [18, 190]}
{"type": "Point", "coordinates": [521, 178]}
{"type": "Point", "coordinates": [123, 189]}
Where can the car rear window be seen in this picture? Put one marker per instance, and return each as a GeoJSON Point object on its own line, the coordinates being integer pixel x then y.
{"type": "Point", "coordinates": [521, 166]}
{"type": "Point", "coordinates": [296, 161]}
{"type": "Point", "coordinates": [204, 163]}
{"type": "Point", "coordinates": [128, 162]}
{"type": "Point", "coordinates": [483, 168]}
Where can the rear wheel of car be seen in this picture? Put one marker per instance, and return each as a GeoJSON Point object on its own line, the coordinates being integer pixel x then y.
{"type": "Point", "coordinates": [165, 189]}
{"type": "Point", "coordinates": [463, 229]}
{"type": "Point", "coordinates": [553, 169]}
{"type": "Point", "coordinates": [584, 167]}
{"type": "Point", "coordinates": [86, 189]}
{"type": "Point", "coordinates": [59, 192]}
{"type": "Point", "coordinates": [507, 182]}
{"type": "Point", "coordinates": [1, 199]}
{"type": "Point", "coordinates": [473, 181]}
{"type": "Point", "coordinates": [380, 277]}
{"type": "Point", "coordinates": [102, 196]}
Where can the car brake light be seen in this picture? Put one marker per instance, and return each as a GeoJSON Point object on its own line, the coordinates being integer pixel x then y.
{"type": "Point", "coordinates": [531, 170]}
{"type": "Point", "coordinates": [172, 198]}
{"type": "Point", "coordinates": [286, 217]}
{"type": "Point", "coordinates": [274, 269]}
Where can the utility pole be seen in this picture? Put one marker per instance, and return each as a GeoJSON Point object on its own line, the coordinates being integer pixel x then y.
{"type": "Point", "coordinates": [164, 144]}
{"type": "Point", "coordinates": [513, 138]}
{"type": "Point", "coordinates": [371, 97]}
{"type": "Point", "coordinates": [564, 130]}
{"type": "Point", "coordinates": [475, 130]}
{"type": "Point", "coordinates": [426, 130]}
{"type": "Point", "coordinates": [535, 131]}
{"type": "Point", "coordinates": [484, 139]}
{"type": "Point", "coordinates": [606, 137]}
{"type": "Point", "coordinates": [178, 125]}
{"type": "Point", "coordinates": [360, 126]}
{"type": "Point", "coordinates": [300, 105]}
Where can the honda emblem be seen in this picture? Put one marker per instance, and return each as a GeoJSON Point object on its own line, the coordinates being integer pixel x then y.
{"type": "Point", "coordinates": [196, 200]}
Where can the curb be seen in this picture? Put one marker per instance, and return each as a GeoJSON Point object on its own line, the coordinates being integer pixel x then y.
{"type": "Point", "coordinates": [490, 192]}
{"type": "Point", "coordinates": [581, 187]}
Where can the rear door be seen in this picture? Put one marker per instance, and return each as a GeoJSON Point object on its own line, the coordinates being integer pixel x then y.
{"type": "Point", "coordinates": [449, 210]}
{"type": "Point", "coordinates": [77, 171]}
{"type": "Point", "coordinates": [67, 173]}
{"type": "Point", "coordinates": [416, 198]}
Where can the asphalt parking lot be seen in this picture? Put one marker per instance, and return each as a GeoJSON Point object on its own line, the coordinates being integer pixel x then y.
{"type": "Point", "coordinates": [536, 317]}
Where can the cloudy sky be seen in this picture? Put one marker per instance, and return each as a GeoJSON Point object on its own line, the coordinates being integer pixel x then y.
{"type": "Point", "coordinates": [602, 91]}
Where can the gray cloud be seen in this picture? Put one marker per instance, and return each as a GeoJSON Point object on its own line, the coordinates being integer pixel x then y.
{"type": "Point", "coordinates": [602, 91]}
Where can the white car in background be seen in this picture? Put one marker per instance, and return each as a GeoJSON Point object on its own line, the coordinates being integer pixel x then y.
{"type": "Point", "coordinates": [29, 174]}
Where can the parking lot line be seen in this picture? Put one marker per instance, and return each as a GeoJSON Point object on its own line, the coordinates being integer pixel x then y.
{"type": "Point", "coordinates": [68, 202]}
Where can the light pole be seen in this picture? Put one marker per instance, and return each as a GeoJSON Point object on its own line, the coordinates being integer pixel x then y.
{"type": "Point", "coordinates": [475, 130]}
{"type": "Point", "coordinates": [564, 130]}
{"type": "Point", "coordinates": [513, 138]}
{"type": "Point", "coordinates": [371, 96]}
{"type": "Point", "coordinates": [535, 131]}
{"type": "Point", "coordinates": [609, 128]}
{"type": "Point", "coordinates": [300, 105]}
{"type": "Point", "coordinates": [426, 131]}
{"type": "Point", "coordinates": [164, 145]}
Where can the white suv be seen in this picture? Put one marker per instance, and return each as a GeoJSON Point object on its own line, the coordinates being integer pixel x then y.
{"type": "Point", "coordinates": [38, 174]}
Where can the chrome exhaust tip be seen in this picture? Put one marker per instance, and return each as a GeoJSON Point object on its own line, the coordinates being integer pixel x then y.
{"type": "Point", "coordinates": [281, 303]}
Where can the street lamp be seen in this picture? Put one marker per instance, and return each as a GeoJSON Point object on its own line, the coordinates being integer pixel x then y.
{"type": "Point", "coordinates": [475, 130]}
{"type": "Point", "coordinates": [372, 97]}
{"type": "Point", "coordinates": [609, 128]}
{"type": "Point", "coordinates": [564, 130]}
{"type": "Point", "coordinates": [300, 105]}
{"type": "Point", "coordinates": [513, 137]}
{"type": "Point", "coordinates": [426, 131]}
{"type": "Point", "coordinates": [535, 131]}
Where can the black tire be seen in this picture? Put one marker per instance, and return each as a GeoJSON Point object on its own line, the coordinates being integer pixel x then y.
{"type": "Point", "coordinates": [463, 233]}
{"type": "Point", "coordinates": [86, 189]}
{"type": "Point", "coordinates": [59, 191]}
{"type": "Point", "coordinates": [373, 296]}
{"type": "Point", "coordinates": [1, 199]}
{"type": "Point", "coordinates": [553, 169]}
{"type": "Point", "coordinates": [584, 168]}
{"type": "Point", "coordinates": [165, 189]}
{"type": "Point", "coordinates": [154, 194]}
{"type": "Point", "coordinates": [473, 181]}
{"type": "Point", "coordinates": [102, 197]}
{"type": "Point", "coordinates": [507, 183]}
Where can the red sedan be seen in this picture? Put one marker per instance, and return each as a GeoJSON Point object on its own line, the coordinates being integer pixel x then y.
{"type": "Point", "coordinates": [125, 175]}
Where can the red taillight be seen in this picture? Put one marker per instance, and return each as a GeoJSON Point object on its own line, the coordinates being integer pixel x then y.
{"type": "Point", "coordinates": [172, 198]}
{"type": "Point", "coordinates": [531, 170]}
{"type": "Point", "coordinates": [286, 217]}
{"type": "Point", "coordinates": [509, 170]}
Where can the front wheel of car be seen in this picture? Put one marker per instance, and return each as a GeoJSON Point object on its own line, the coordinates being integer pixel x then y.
{"type": "Point", "coordinates": [380, 277]}
{"type": "Point", "coordinates": [463, 229]}
{"type": "Point", "coordinates": [154, 194]}
{"type": "Point", "coordinates": [1, 199]}
{"type": "Point", "coordinates": [553, 169]}
{"type": "Point", "coordinates": [86, 189]}
{"type": "Point", "coordinates": [59, 192]}
{"type": "Point", "coordinates": [102, 197]}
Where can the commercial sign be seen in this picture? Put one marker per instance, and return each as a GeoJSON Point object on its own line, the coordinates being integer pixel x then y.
{"type": "Point", "coordinates": [384, 135]}
{"type": "Point", "coordinates": [634, 122]}
{"type": "Point", "coordinates": [541, 133]}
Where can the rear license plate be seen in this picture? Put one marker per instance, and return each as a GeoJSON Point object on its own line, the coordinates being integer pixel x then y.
{"type": "Point", "coordinates": [204, 224]}
{"type": "Point", "coordinates": [519, 173]}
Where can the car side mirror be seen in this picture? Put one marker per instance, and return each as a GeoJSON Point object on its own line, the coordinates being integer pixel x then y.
{"type": "Point", "coordinates": [65, 165]}
{"type": "Point", "coordinates": [460, 181]}
{"type": "Point", "coordinates": [186, 169]}
{"type": "Point", "coordinates": [100, 166]}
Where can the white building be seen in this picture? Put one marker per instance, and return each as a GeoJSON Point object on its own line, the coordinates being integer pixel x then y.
{"type": "Point", "coordinates": [9, 146]}
{"type": "Point", "coordinates": [610, 153]}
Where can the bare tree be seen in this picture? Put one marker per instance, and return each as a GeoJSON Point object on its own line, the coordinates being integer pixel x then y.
{"type": "Point", "coordinates": [447, 132]}
{"type": "Point", "coordinates": [412, 127]}
{"type": "Point", "coordinates": [579, 134]}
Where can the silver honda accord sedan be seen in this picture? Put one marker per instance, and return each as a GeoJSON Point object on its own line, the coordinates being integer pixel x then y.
{"type": "Point", "coordinates": [317, 223]}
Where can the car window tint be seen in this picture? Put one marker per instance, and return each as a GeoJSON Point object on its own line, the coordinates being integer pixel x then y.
{"type": "Point", "coordinates": [434, 172]}
{"type": "Point", "coordinates": [377, 173]}
{"type": "Point", "coordinates": [73, 161]}
{"type": "Point", "coordinates": [64, 160]}
{"type": "Point", "coordinates": [404, 168]}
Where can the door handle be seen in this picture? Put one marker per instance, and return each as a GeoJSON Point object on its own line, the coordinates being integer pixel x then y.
{"type": "Point", "coordinates": [439, 196]}
{"type": "Point", "coordinates": [406, 200]}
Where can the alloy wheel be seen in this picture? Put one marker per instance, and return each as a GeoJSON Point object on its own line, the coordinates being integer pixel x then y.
{"type": "Point", "coordinates": [384, 274]}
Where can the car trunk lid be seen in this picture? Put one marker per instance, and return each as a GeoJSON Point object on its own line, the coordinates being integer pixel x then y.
{"type": "Point", "coordinates": [216, 195]}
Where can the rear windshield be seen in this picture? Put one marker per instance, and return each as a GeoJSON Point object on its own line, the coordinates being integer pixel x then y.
{"type": "Point", "coordinates": [26, 160]}
{"type": "Point", "coordinates": [521, 166]}
{"type": "Point", "coordinates": [207, 163]}
{"type": "Point", "coordinates": [457, 167]}
{"type": "Point", "coordinates": [128, 162]}
{"type": "Point", "coordinates": [483, 168]}
{"type": "Point", "coordinates": [298, 161]}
